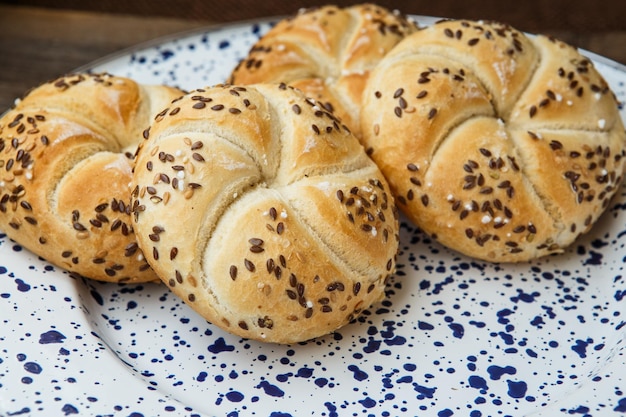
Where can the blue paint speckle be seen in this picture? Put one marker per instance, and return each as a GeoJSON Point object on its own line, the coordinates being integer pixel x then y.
{"type": "Point", "coordinates": [496, 372]}
{"type": "Point", "coordinates": [332, 409]}
{"type": "Point", "coordinates": [51, 336]}
{"type": "Point", "coordinates": [425, 392]}
{"type": "Point", "coordinates": [357, 373]}
{"type": "Point", "coordinates": [368, 402]}
{"type": "Point", "coordinates": [581, 347]}
{"type": "Point", "coordinates": [32, 367]}
{"type": "Point", "coordinates": [517, 389]}
{"type": "Point", "coordinates": [621, 405]}
{"type": "Point", "coordinates": [220, 346]}
{"type": "Point", "coordinates": [235, 396]}
{"type": "Point", "coordinates": [69, 409]}
{"type": "Point", "coordinates": [305, 372]}
{"type": "Point", "coordinates": [166, 54]}
{"type": "Point", "coordinates": [478, 382]}
{"type": "Point", "coordinates": [22, 286]}
{"type": "Point", "coordinates": [271, 390]}
{"type": "Point", "coordinates": [457, 330]}
{"type": "Point", "coordinates": [422, 325]}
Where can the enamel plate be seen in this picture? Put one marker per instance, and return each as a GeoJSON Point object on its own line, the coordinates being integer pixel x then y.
{"type": "Point", "coordinates": [454, 337]}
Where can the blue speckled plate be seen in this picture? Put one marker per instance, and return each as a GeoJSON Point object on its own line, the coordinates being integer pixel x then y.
{"type": "Point", "coordinates": [455, 337]}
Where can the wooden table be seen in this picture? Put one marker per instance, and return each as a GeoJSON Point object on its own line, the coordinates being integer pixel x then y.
{"type": "Point", "coordinates": [38, 44]}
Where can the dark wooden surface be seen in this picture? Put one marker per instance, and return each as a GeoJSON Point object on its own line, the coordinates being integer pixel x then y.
{"type": "Point", "coordinates": [42, 39]}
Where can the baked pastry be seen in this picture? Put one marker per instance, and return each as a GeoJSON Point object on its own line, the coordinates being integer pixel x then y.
{"type": "Point", "coordinates": [502, 146]}
{"type": "Point", "coordinates": [327, 53]}
{"type": "Point", "coordinates": [261, 211]}
{"type": "Point", "coordinates": [66, 153]}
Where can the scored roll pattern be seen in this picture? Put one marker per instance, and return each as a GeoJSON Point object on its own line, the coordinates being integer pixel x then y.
{"type": "Point", "coordinates": [66, 155]}
{"type": "Point", "coordinates": [326, 52]}
{"type": "Point", "coordinates": [262, 211]}
{"type": "Point", "coordinates": [502, 146]}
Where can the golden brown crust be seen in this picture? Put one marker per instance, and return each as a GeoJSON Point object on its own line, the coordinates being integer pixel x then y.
{"type": "Point", "coordinates": [327, 53]}
{"type": "Point", "coordinates": [261, 211]}
{"type": "Point", "coordinates": [504, 147]}
{"type": "Point", "coordinates": [66, 154]}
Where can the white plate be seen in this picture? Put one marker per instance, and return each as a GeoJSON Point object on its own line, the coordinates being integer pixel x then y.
{"type": "Point", "coordinates": [454, 336]}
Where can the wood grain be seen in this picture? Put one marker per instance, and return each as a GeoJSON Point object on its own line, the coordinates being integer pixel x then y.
{"type": "Point", "coordinates": [38, 44]}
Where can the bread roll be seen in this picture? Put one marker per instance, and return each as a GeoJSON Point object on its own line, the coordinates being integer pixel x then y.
{"type": "Point", "coordinates": [66, 154]}
{"type": "Point", "coordinates": [326, 52]}
{"type": "Point", "coordinates": [263, 213]}
{"type": "Point", "coordinates": [502, 146]}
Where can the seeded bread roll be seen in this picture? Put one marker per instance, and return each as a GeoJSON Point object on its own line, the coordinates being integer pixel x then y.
{"type": "Point", "coordinates": [327, 53]}
{"type": "Point", "coordinates": [263, 213]}
{"type": "Point", "coordinates": [501, 146]}
{"type": "Point", "coordinates": [66, 154]}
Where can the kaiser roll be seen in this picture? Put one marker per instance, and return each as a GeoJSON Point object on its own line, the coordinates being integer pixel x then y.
{"type": "Point", "coordinates": [326, 52]}
{"type": "Point", "coordinates": [66, 153]}
{"type": "Point", "coordinates": [503, 146]}
{"type": "Point", "coordinates": [261, 211]}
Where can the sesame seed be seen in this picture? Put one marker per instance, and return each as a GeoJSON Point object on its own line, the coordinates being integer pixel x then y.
{"type": "Point", "coordinates": [249, 265]}
{"type": "Point", "coordinates": [556, 145]}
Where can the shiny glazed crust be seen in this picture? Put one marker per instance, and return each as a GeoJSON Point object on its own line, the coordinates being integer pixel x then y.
{"type": "Point", "coordinates": [327, 53]}
{"type": "Point", "coordinates": [66, 153]}
{"type": "Point", "coordinates": [262, 212]}
{"type": "Point", "coordinates": [502, 146]}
